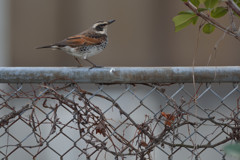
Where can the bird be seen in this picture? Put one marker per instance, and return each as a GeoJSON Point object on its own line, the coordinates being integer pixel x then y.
{"type": "Point", "coordinates": [85, 44]}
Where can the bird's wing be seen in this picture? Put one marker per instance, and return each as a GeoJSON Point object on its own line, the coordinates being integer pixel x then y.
{"type": "Point", "coordinates": [79, 40]}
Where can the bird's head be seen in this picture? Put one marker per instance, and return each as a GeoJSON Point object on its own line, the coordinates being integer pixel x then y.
{"type": "Point", "coordinates": [101, 26]}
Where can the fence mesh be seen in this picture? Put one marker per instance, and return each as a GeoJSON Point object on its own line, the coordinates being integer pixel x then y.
{"type": "Point", "coordinates": [118, 121]}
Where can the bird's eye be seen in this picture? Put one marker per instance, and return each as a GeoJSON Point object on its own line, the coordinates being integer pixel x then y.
{"type": "Point", "coordinates": [100, 27]}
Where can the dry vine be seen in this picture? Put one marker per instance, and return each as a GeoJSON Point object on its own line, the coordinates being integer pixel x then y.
{"type": "Point", "coordinates": [97, 132]}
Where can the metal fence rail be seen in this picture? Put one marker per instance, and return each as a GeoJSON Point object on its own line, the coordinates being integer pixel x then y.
{"type": "Point", "coordinates": [120, 74]}
{"type": "Point", "coordinates": [118, 113]}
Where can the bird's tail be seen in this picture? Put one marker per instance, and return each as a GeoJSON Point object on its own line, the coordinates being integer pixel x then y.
{"type": "Point", "coordinates": [48, 46]}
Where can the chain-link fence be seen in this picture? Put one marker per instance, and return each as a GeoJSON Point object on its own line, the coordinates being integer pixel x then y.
{"type": "Point", "coordinates": [118, 113]}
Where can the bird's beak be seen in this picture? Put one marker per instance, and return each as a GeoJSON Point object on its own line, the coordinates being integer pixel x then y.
{"type": "Point", "coordinates": [111, 21]}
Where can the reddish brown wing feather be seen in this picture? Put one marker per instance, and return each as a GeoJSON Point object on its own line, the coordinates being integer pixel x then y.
{"type": "Point", "coordinates": [79, 40]}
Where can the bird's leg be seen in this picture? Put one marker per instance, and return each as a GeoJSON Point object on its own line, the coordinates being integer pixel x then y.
{"type": "Point", "coordinates": [79, 63]}
{"type": "Point", "coordinates": [94, 65]}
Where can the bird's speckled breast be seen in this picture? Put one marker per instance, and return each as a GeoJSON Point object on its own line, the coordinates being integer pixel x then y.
{"type": "Point", "coordinates": [85, 51]}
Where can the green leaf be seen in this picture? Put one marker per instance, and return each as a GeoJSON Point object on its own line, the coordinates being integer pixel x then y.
{"type": "Point", "coordinates": [195, 2]}
{"type": "Point", "coordinates": [236, 1]}
{"type": "Point", "coordinates": [233, 150]}
{"type": "Point", "coordinates": [194, 20]}
{"type": "Point", "coordinates": [202, 1]}
{"type": "Point", "coordinates": [210, 3]}
{"type": "Point", "coordinates": [208, 28]}
{"type": "Point", "coordinates": [238, 4]}
{"type": "Point", "coordinates": [186, 12]}
{"type": "Point", "coordinates": [219, 12]}
{"type": "Point", "coordinates": [183, 20]}
{"type": "Point", "coordinates": [202, 9]}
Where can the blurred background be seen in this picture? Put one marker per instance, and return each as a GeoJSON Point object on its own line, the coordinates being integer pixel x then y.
{"type": "Point", "coordinates": [143, 34]}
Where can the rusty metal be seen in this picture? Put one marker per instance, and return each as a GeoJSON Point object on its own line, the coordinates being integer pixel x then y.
{"type": "Point", "coordinates": [120, 74]}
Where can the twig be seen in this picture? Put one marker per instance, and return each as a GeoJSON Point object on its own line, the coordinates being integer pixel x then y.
{"type": "Point", "coordinates": [234, 6]}
{"type": "Point", "coordinates": [198, 146]}
{"type": "Point", "coordinates": [6, 118]}
{"type": "Point", "coordinates": [210, 20]}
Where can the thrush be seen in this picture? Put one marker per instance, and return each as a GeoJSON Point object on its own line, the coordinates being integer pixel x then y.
{"type": "Point", "coordinates": [86, 44]}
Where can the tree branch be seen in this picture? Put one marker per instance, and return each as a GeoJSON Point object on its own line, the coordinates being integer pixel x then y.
{"type": "Point", "coordinates": [210, 20]}
{"type": "Point", "coordinates": [234, 6]}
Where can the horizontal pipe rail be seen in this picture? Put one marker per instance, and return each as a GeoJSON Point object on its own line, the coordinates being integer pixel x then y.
{"type": "Point", "coordinates": [229, 74]}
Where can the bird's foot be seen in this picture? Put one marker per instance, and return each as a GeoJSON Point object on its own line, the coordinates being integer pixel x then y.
{"type": "Point", "coordinates": [95, 66]}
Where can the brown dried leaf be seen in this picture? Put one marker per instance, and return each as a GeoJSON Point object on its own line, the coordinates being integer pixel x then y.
{"type": "Point", "coordinates": [169, 118]}
{"type": "Point", "coordinates": [143, 143]}
{"type": "Point", "coordinates": [101, 128]}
